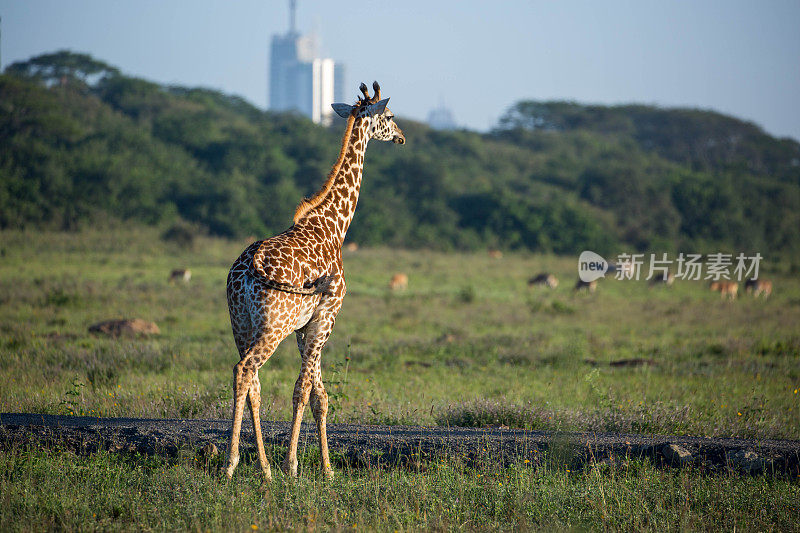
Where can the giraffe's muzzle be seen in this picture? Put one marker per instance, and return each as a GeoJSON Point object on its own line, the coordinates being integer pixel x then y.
{"type": "Point", "coordinates": [400, 139]}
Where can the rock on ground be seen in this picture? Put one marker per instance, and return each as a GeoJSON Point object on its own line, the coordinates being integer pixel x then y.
{"type": "Point", "coordinates": [125, 326]}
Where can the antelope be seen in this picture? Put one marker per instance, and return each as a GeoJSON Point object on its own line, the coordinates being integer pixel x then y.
{"type": "Point", "coordinates": [758, 287]}
{"type": "Point", "coordinates": [589, 286]}
{"type": "Point", "coordinates": [399, 282]}
{"type": "Point", "coordinates": [180, 274]}
{"type": "Point", "coordinates": [544, 280]}
{"type": "Point", "coordinates": [725, 288]}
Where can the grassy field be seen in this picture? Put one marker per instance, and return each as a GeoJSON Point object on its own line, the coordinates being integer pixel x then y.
{"type": "Point", "coordinates": [47, 491]}
{"type": "Point", "coordinates": [469, 343]}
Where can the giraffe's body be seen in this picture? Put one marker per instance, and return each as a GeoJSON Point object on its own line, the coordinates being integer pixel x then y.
{"type": "Point", "coordinates": [295, 282]}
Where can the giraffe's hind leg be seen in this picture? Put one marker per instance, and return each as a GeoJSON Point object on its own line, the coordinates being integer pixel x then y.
{"type": "Point", "coordinates": [254, 395]}
{"type": "Point", "coordinates": [245, 379]}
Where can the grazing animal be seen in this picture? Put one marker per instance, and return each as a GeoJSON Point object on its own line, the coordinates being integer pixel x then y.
{"type": "Point", "coordinates": [132, 326]}
{"type": "Point", "coordinates": [728, 289]}
{"type": "Point", "coordinates": [399, 282]}
{"type": "Point", "coordinates": [351, 246]}
{"type": "Point", "coordinates": [295, 282]}
{"type": "Point", "coordinates": [544, 280]}
{"type": "Point", "coordinates": [758, 287]}
{"type": "Point", "coordinates": [495, 254]}
{"type": "Point", "coordinates": [666, 279]}
{"type": "Point", "coordinates": [589, 286]}
{"type": "Point", "coordinates": [180, 274]}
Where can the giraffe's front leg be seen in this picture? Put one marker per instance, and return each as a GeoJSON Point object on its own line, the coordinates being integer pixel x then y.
{"type": "Point", "coordinates": [302, 390]}
{"type": "Point", "coordinates": [311, 340]}
{"type": "Point", "coordinates": [319, 406]}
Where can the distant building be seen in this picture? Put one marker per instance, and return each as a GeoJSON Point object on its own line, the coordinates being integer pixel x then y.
{"type": "Point", "coordinates": [441, 118]}
{"type": "Point", "coordinates": [299, 79]}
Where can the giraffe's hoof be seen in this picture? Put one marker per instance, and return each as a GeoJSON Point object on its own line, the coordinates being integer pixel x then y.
{"type": "Point", "coordinates": [231, 466]}
{"type": "Point", "coordinates": [327, 473]}
{"type": "Point", "coordinates": [267, 474]}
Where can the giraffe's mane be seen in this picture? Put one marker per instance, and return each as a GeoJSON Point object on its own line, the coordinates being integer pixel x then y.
{"type": "Point", "coordinates": [307, 204]}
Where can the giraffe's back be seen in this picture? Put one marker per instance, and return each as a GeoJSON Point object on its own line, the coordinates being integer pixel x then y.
{"type": "Point", "coordinates": [253, 306]}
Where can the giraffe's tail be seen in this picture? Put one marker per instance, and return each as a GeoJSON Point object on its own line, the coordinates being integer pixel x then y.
{"type": "Point", "coordinates": [323, 284]}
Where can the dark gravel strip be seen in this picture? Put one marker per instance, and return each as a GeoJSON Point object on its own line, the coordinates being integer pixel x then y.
{"type": "Point", "coordinates": [409, 446]}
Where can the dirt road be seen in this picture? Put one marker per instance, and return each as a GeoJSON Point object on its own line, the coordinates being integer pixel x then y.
{"type": "Point", "coordinates": [408, 446]}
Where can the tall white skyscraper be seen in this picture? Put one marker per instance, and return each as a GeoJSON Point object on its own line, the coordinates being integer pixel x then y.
{"type": "Point", "coordinates": [299, 79]}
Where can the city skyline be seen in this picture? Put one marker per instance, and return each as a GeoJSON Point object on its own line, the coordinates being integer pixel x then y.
{"type": "Point", "coordinates": [301, 80]}
{"type": "Point", "coordinates": [733, 57]}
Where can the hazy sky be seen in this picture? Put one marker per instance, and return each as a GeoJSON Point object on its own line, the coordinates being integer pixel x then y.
{"type": "Point", "coordinates": [478, 57]}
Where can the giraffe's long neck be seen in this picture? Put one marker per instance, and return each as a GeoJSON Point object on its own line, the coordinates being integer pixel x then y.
{"type": "Point", "coordinates": [332, 208]}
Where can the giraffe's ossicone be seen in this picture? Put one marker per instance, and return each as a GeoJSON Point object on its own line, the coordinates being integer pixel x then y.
{"type": "Point", "coordinates": [295, 282]}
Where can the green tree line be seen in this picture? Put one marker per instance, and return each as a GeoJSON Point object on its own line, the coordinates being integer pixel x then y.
{"type": "Point", "coordinates": [83, 143]}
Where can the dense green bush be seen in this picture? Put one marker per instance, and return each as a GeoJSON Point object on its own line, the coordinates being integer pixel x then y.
{"type": "Point", "coordinates": [82, 142]}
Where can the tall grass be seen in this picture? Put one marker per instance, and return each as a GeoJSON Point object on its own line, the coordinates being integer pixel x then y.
{"type": "Point", "coordinates": [47, 491]}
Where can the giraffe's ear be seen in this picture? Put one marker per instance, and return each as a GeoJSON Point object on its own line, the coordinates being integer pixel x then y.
{"type": "Point", "coordinates": [378, 107]}
{"type": "Point", "coordinates": [343, 110]}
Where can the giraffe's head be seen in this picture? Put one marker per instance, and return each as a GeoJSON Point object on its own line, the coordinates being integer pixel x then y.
{"type": "Point", "coordinates": [373, 110]}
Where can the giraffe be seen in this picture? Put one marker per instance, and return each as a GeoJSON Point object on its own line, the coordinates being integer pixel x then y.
{"type": "Point", "coordinates": [295, 282]}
